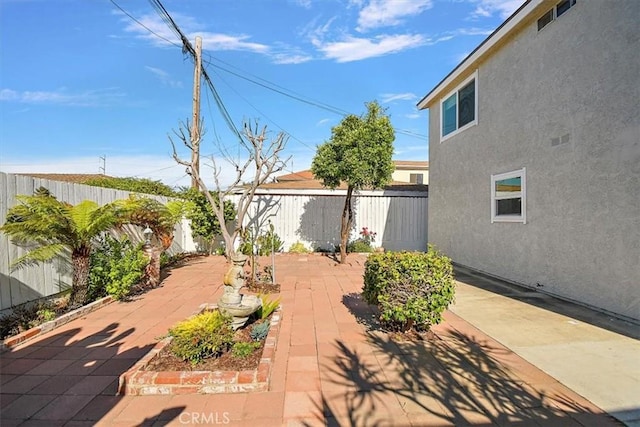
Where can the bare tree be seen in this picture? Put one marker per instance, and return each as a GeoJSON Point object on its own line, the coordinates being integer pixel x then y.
{"type": "Point", "coordinates": [263, 160]}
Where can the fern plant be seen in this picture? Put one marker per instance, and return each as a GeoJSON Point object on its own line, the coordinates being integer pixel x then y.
{"type": "Point", "coordinates": [49, 227]}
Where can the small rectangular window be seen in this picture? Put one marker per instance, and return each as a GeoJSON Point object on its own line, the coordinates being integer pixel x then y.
{"type": "Point", "coordinates": [459, 108]}
{"type": "Point", "coordinates": [416, 178]}
{"type": "Point", "coordinates": [562, 7]}
{"type": "Point", "coordinates": [508, 197]}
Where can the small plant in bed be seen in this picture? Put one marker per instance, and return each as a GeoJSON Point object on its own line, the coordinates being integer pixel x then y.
{"type": "Point", "coordinates": [207, 342]}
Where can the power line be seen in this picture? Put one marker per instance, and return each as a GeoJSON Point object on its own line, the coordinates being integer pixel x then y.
{"type": "Point", "coordinates": [187, 48]}
{"type": "Point", "coordinates": [144, 26]}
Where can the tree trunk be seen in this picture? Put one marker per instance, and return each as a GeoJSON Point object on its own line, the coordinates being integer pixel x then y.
{"type": "Point", "coordinates": [345, 227]}
{"type": "Point", "coordinates": [80, 283]}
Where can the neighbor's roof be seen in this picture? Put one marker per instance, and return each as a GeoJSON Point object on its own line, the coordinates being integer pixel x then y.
{"type": "Point", "coordinates": [78, 178]}
{"type": "Point", "coordinates": [307, 175]}
{"type": "Point", "coordinates": [314, 184]}
{"type": "Point", "coordinates": [487, 47]}
{"type": "Point", "coordinates": [411, 164]}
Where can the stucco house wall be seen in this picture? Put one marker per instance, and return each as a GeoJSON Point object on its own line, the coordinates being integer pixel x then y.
{"type": "Point", "coordinates": [562, 102]}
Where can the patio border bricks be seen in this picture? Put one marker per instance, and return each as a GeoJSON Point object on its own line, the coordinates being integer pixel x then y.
{"type": "Point", "coordinates": [22, 337]}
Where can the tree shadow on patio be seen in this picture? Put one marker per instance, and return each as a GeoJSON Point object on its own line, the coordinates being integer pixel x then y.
{"type": "Point", "coordinates": [455, 378]}
{"type": "Point", "coordinates": [71, 375]}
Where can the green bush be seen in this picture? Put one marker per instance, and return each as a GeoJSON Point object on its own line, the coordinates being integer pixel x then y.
{"type": "Point", "coordinates": [115, 266]}
{"type": "Point", "coordinates": [359, 245]}
{"type": "Point", "coordinates": [412, 289]}
{"type": "Point", "coordinates": [242, 350]}
{"type": "Point", "coordinates": [298, 248]}
{"type": "Point", "coordinates": [138, 185]}
{"type": "Point", "coordinates": [204, 335]}
{"type": "Point", "coordinates": [269, 242]}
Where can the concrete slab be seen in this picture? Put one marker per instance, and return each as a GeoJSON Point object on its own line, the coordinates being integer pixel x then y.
{"type": "Point", "coordinates": [592, 353]}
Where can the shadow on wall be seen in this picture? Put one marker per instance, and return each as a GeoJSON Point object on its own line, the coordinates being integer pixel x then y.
{"type": "Point", "coordinates": [15, 288]}
{"type": "Point", "coordinates": [320, 221]}
{"type": "Point", "coordinates": [405, 227]}
{"type": "Point", "coordinates": [263, 210]}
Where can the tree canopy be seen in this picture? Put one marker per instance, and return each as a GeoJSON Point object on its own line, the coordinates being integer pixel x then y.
{"type": "Point", "coordinates": [358, 154]}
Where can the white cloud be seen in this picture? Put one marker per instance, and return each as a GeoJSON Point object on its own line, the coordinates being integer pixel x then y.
{"type": "Point", "coordinates": [504, 8]}
{"type": "Point", "coordinates": [380, 13]}
{"type": "Point", "coordinates": [88, 98]}
{"type": "Point", "coordinates": [214, 41]}
{"type": "Point", "coordinates": [355, 49]}
{"type": "Point", "coordinates": [413, 116]}
{"type": "Point", "coordinates": [164, 77]}
{"type": "Point", "coordinates": [303, 3]}
{"type": "Point", "coordinates": [154, 167]}
{"type": "Point", "coordinates": [322, 122]}
{"type": "Point", "coordinates": [158, 33]}
{"type": "Point", "coordinates": [390, 97]}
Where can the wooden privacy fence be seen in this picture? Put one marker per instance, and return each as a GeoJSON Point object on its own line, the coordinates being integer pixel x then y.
{"type": "Point", "coordinates": [313, 217]}
{"type": "Point", "coordinates": [30, 283]}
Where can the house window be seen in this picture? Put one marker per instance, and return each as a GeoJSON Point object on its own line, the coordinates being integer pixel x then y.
{"type": "Point", "coordinates": [459, 108]}
{"type": "Point", "coordinates": [508, 197]}
{"type": "Point", "coordinates": [416, 178]}
{"type": "Point", "coordinates": [555, 12]}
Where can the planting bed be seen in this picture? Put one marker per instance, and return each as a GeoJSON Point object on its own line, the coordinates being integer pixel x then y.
{"type": "Point", "coordinates": [139, 380]}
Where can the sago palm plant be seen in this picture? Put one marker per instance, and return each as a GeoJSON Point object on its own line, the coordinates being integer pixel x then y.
{"type": "Point", "coordinates": [47, 227]}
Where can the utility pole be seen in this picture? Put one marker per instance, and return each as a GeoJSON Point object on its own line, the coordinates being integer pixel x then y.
{"type": "Point", "coordinates": [195, 131]}
{"type": "Point", "coordinates": [103, 168]}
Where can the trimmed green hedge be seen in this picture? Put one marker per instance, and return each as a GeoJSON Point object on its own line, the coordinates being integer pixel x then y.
{"type": "Point", "coordinates": [412, 289]}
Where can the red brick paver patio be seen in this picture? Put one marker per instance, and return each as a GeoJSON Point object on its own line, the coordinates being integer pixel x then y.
{"type": "Point", "coordinates": [331, 367]}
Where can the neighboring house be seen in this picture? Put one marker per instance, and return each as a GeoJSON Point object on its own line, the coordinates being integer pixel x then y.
{"type": "Point", "coordinates": [534, 153]}
{"type": "Point", "coordinates": [415, 172]}
{"type": "Point", "coordinates": [408, 171]}
{"type": "Point", "coordinates": [301, 209]}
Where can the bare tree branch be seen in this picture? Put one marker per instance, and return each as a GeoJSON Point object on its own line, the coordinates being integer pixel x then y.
{"type": "Point", "coordinates": [263, 158]}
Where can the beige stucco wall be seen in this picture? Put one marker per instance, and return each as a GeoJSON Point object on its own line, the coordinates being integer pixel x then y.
{"type": "Point", "coordinates": [404, 175]}
{"type": "Point", "coordinates": [579, 76]}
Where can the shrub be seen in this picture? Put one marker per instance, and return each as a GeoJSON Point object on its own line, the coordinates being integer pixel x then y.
{"type": "Point", "coordinates": [242, 350]}
{"type": "Point", "coordinates": [269, 242]}
{"type": "Point", "coordinates": [298, 248]}
{"type": "Point", "coordinates": [412, 289]}
{"type": "Point", "coordinates": [204, 335]}
{"type": "Point", "coordinates": [359, 245]}
{"type": "Point", "coordinates": [259, 331]}
{"type": "Point", "coordinates": [268, 306]}
{"type": "Point", "coordinates": [115, 266]}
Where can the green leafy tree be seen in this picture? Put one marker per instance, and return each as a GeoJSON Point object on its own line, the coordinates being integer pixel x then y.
{"type": "Point", "coordinates": [359, 154]}
{"type": "Point", "coordinates": [204, 222]}
{"type": "Point", "coordinates": [49, 227]}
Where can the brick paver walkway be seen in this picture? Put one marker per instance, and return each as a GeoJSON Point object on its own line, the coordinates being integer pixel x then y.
{"type": "Point", "coordinates": [332, 366]}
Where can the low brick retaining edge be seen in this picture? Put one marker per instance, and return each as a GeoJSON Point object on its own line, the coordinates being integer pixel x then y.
{"type": "Point", "coordinates": [22, 337]}
{"type": "Point", "coordinates": [137, 381]}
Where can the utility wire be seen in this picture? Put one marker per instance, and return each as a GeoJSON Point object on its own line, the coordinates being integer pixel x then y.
{"type": "Point", "coordinates": [187, 48]}
{"type": "Point", "coordinates": [144, 26]}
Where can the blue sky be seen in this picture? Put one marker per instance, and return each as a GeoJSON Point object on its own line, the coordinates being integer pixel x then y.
{"type": "Point", "coordinates": [80, 79]}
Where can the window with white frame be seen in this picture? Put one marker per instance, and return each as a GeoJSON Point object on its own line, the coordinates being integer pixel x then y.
{"type": "Point", "coordinates": [459, 108]}
{"type": "Point", "coordinates": [508, 197]}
